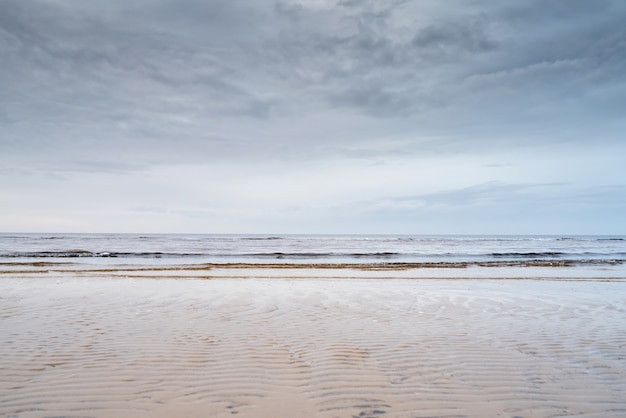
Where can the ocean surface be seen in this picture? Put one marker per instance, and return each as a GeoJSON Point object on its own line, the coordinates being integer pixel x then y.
{"type": "Point", "coordinates": [576, 256]}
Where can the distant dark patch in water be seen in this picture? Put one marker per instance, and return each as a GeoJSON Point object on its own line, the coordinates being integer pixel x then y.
{"type": "Point", "coordinates": [91, 254]}
{"type": "Point", "coordinates": [528, 255]}
{"type": "Point", "coordinates": [323, 255]}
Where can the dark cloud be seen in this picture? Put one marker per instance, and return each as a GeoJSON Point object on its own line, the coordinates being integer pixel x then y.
{"type": "Point", "coordinates": [454, 38]}
{"type": "Point", "coordinates": [80, 87]}
{"type": "Point", "coordinates": [235, 79]}
{"type": "Point", "coordinates": [539, 12]}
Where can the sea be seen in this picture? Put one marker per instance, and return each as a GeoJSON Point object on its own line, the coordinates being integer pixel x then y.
{"type": "Point", "coordinates": [514, 255]}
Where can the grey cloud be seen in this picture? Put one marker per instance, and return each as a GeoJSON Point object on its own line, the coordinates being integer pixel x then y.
{"type": "Point", "coordinates": [565, 31]}
{"type": "Point", "coordinates": [101, 83]}
{"type": "Point", "coordinates": [105, 89]}
{"type": "Point", "coordinates": [381, 72]}
{"type": "Point", "coordinates": [456, 37]}
{"type": "Point", "coordinates": [162, 74]}
{"type": "Point", "coordinates": [481, 194]}
{"type": "Point", "coordinates": [495, 207]}
{"type": "Point", "coordinates": [288, 10]}
{"type": "Point", "coordinates": [517, 195]}
{"type": "Point", "coordinates": [543, 11]}
{"type": "Point", "coordinates": [377, 100]}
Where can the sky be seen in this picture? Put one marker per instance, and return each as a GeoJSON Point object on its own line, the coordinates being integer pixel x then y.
{"type": "Point", "coordinates": [313, 116]}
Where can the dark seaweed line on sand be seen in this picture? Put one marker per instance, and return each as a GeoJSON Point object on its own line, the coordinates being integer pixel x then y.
{"type": "Point", "coordinates": [328, 266]}
{"type": "Point", "coordinates": [530, 257]}
{"type": "Point", "coordinates": [413, 265]}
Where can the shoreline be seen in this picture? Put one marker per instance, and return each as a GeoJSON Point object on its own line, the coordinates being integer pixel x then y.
{"type": "Point", "coordinates": [593, 271]}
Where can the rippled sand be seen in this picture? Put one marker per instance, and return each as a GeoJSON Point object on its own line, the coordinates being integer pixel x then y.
{"type": "Point", "coordinates": [111, 347]}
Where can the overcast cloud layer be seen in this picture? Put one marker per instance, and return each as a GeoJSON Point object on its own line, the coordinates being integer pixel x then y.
{"type": "Point", "coordinates": [313, 116]}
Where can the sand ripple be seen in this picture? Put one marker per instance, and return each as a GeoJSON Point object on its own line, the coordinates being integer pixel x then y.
{"type": "Point", "coordinates": [311, 348]}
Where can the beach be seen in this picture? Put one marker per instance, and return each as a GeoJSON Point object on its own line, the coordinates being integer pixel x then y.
{"type": "Point", "coordinates": [113, 344]}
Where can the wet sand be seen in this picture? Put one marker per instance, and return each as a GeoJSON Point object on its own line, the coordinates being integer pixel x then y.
{"type": "Point", "coordinates": [89, 345]}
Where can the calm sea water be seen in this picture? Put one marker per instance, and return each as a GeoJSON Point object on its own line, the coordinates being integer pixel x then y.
{"type": "Point", "coordinates": [171, 249]}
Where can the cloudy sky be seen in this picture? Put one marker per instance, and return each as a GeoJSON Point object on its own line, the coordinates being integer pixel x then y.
{"type": "Point", "coordinates": [313, 116]}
